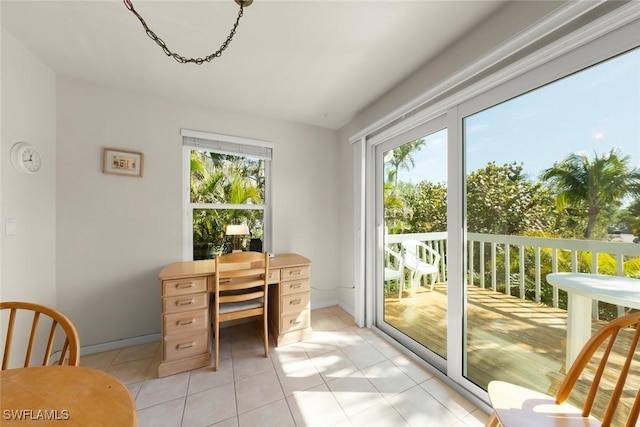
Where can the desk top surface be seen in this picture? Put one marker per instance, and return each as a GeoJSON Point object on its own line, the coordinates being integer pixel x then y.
{"type": "Point", "coordinates": [618, 290]}
{"type": "Point", "coordinates": [207, 266]}
{"type": "Point", "coordinates": [70, 395]}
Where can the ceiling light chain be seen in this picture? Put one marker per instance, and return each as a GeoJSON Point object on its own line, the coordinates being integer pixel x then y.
{"type": "Point", "coordinates": [181, 59]}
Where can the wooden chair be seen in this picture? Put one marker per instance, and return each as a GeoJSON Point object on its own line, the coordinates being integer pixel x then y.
{"type": "Point", "coordinates": [53, 321]}
{"type": "Point", "coordinates": [240, 291]}
{"type": "Point", "coordinates": [518, 406]}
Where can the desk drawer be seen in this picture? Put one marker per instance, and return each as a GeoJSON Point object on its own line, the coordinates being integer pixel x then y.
{"type": "Point", "coordinates": [294, 286]}
{"type": "Point", "coordinates": [185, 303]}
{"type": "Point", "coordinates": [184, 286]}
{"type": "Point", "coordinates": [295, 321]}
{"type": "Point", "coordinates": [191, 345]}
{"type": "Point", "coordinates": [274, 276]}
{"type": "Point", "coordinates": [294, 273]}
{"type": "Point", "coordinates": [185, 323]}
{"type": "Point", "coordinates": [294, 303]}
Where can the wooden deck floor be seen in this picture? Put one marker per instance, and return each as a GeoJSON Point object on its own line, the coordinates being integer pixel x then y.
{"type": "Point", "coordinates": [507, 338]}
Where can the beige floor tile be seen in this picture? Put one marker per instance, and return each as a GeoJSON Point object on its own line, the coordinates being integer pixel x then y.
{"type": "Point", "coordinates": [388, 378]}
{"type": "Point", "coordinates": [419, 409]}
{"type": "Point", "coordinates": [316, 407]}
{"type": "Point", "coordinates": [206, 378]}
{"type": "Point", "coordinates": [380, 415]}
{"type": "Point", "coordinates": [411, 368]}
{"type": "Point", "coordinates": [346, 337]}
{"type": "Point", "coordinates": [343, 376]}
{"type": "Point", "coordinates": [156, 391]}
{"type": "Point", "coordinates": [137, 352]}
{"type": "Point", "coordinates": [210, 406]}
{"type": "Point", "coordinates": [363, 355]}
{"type": "Point", "coordinates": [288, 354]}
{"type": "Point", "coordinates": [477, 418]}
{"type": "Point", "coordinates": [230, 422]}
{"type": "Point", "coordinates": [249, 364]}
{"type": "Point", "coordinates": [131, 372]}
{"type": "Point", "coordinates": [99, 360]}
{"type": "Point", "coordinates": [258, 390]}
{"type": "Point", "coordinates": [275, 414]}
{"type": "Point", "coordinates": [298, 376]}
{"type": "Point", "coordinates": [355, 394]}
{"type": "Point", "coordinates": [450, 398]}
{"type": "Point", "coordinates": [330, 323]}
{"type": "Point", "coordinates": [384, 347]}
{"type": "Point", "coordinates": [168, 414]}
{"type": "Point", "coordinates": [334, 365]}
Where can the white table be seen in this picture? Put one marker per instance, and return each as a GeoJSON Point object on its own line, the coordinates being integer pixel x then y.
{"type": "Point", "coordinates": [581, 289]}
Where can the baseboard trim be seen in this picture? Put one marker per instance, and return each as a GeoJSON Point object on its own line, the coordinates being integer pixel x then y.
{"type": "Point", "coordinates": [116, 345]}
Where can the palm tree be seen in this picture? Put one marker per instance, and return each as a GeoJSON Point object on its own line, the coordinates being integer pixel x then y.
{"type": "Point", "coordinates": [595, 184]}
{"type": "Point", "coordinates": [401, 157]}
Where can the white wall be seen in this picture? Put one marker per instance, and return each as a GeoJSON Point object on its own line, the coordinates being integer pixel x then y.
{"type": "Point", "coordinates": [116, 233]}
{"type": "Point", "coordinates": [28, 258]}
{"type": "Point", "coordinates": [28, 263]}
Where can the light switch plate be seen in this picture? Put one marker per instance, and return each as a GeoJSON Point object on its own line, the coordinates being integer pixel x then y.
{"type": "Point", "coordinates": [10, 226]}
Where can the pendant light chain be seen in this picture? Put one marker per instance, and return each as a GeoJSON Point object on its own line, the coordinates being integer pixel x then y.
{"type": "Point", "coordinates": [181, 59]}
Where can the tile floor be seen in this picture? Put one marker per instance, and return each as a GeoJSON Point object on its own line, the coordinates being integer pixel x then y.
{"type": "Point", "coordinates": [343, 376]}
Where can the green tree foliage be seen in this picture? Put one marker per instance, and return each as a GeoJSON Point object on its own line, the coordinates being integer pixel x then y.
{"type": "Point", "coordinates": [501, 200]}
{"type": "Point", "coordinates": [428, 203]}
{"type": "Point", "coordinates": [591, 186]}
{"type": "Point", "coordinates": [224, 179]}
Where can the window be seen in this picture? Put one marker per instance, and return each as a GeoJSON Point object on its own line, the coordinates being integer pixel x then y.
{"type": "Point", "coordinates": [227, 184]}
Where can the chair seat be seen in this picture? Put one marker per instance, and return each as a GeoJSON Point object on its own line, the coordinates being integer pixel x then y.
{"type": "Point", "coordinates": [517, 406]}
{"type": "Point", "coordinates": [231, 307]}
{"type": "Point", "coordinates": [391, 274]}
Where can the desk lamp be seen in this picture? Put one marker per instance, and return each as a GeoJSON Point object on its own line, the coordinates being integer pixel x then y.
{"type": "Point", "coordinates": [236, 231]}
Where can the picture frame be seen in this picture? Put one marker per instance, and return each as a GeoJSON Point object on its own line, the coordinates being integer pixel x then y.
{"type": "Point", "coordinates": [122, 162]}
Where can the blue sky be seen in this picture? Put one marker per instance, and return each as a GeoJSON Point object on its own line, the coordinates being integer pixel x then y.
{"type": "Point", "coordinates": [590, 111]}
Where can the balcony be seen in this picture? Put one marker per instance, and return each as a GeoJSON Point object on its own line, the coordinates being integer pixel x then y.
{"type": "Point", "coordinates": [516, 322]}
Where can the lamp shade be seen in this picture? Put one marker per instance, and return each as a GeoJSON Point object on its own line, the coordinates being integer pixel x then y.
{"type": "Point", "coordinates": [237, 229]}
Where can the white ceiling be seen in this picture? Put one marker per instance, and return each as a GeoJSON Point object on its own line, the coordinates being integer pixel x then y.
{"type": "Point", "coordinates": [313, 62]}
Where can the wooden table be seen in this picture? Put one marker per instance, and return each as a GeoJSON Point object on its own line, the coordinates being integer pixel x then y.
{"type": "Point", "coordinates": [65, 396]}
{"type": "Point", "coordinates": [581, 290]}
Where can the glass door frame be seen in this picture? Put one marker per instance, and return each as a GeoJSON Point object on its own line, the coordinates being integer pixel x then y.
{"type": "Point", "coordinates": [432, 126]}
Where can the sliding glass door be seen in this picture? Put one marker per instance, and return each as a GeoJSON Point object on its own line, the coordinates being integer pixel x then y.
{"type": "Point", "coordinates": [411, 184]}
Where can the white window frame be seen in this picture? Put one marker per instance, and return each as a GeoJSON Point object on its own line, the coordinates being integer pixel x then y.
{"type": "Point", "coordinates": [237, 146]}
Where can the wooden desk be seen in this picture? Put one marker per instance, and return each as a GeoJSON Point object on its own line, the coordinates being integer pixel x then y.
{"type": "Point", "coordinates": [581, 290]}
{"type": "Point", "coordinates": [186, 330]}
{"type": "Point", "coordinates": [64, 395]}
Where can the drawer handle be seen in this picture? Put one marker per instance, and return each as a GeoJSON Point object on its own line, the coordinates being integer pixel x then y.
{"type": "Point", "coordinates": [294, 322]}
{"type": "Point", "coordinates": [295, 286]}
{"type": "Point", "coordinates": [184, 285]}
{"type": "Point", "coordinates": [186, 346]}
{"type": "Point", "coordinates": [295, 301]}
{"type": "Point", "coordinates": [185, 322]}
{"type": "Point", "coordinates": [185, 302]}
{"type": "Point", "coordinates": [227, 280]}
{"type": "Point", "coordinates": [295, 272]}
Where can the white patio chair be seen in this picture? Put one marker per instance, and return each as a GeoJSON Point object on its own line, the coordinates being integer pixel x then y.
{"type": "Point", "coordinates": [394, 268]}
{"type": "Point", "coordinates": [421, 260]}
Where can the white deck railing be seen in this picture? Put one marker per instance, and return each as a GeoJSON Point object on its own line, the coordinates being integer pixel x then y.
{"type": "Point", "coordinates": [509, 263]}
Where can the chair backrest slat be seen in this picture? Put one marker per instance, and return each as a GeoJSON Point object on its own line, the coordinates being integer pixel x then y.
{"type": "Point", "coordinates": [32, 338]}
{"type": "Point", "coordinates": [8, 341]}
{"type": "Point", "coordinates": [71, 345]}
{"type": "Point", "coordinates": [622, 378]}
{"type": "Point", "coordinates": [611, 332]}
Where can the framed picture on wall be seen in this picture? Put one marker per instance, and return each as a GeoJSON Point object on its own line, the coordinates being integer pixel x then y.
{"type": "Point", "coordinates": [122, 162]}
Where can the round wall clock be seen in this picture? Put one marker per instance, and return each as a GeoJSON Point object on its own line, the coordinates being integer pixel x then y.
{"type": "Point", "coordinates": [25, 158]}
